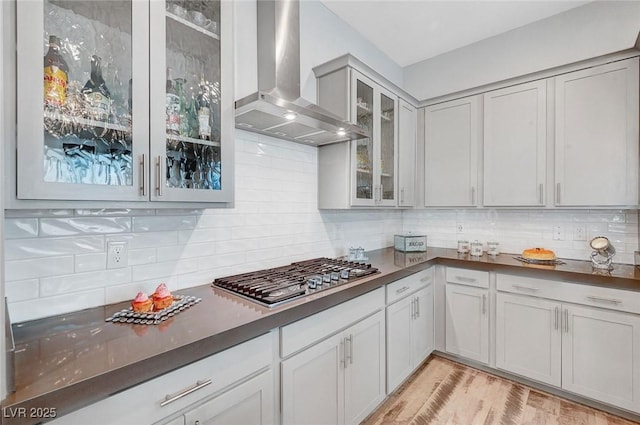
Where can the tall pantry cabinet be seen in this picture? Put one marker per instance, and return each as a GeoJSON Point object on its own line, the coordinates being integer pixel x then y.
{"type": "Point", "coordinates": [138, 102]}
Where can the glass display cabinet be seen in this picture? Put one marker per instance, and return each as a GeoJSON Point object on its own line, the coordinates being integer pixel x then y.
{"type": "Point", "coordinates": [124, 100]}
{"type": "Point", "coordinates": [374, 109]}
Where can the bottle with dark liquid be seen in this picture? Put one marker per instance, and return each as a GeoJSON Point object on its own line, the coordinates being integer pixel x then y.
{"type": "Point", "coordinates": [203, 105]}
{"type": "Point", "coordinates": [56, 73]}
{"type": "Point", "coordinates": [97, 93]}
{"type": "Point", "coordinates": [173, 106]}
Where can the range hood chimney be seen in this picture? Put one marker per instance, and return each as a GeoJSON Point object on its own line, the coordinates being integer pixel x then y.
{"type": "Point", "coordinates": [277, 109]}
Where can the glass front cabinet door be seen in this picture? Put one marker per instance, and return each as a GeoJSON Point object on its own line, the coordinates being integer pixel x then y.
{"type": "Point", "coordinates": [124, 100]}
{"type": "Point", "coordinates": [374, 109]}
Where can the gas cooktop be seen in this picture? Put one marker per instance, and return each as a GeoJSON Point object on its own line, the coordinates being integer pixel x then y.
{"type": "Point", "coordinates": [272, 287]}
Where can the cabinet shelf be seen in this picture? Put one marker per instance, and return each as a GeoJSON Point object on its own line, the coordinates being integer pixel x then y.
{"type": "Point", "coordinates": [192, 25]}
{"type": "Point", "coordinates": [192, 140]}
{"type": "Point", "coordinates": [85, 122]}
{"type": "Point", "coordinates": [364, 171]}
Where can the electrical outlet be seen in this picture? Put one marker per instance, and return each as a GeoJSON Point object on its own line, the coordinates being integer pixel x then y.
{"type": "Point", "coordinates": [580, 233]}
{"type": "Point", "coordinates": [459, 228]}
{"type": "Point", "coordinates": [558, 233]}
{"type": "Point", "coordinates": [117, 255]}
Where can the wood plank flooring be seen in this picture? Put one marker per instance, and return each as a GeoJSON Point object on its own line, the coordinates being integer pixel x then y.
{"type": "Point", "coordinates": [443, 392]}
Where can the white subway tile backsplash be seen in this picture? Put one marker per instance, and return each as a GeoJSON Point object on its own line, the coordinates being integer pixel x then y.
{"type": "Point", "coordinates": [17, 249]}
{"type": "Point", "coordinates": [19, 228]}
{"type": "Point", "coordinates": [50, 306]}
{"type": "Point", "coordinates": [37, 267]}
{"type": "Point", "coordinates": [21, 290]}
{"type": "Point", "coordinates": [90, 262]}
{"type": "Point", "coordinates": [142, 256]}
{"type": "Point", "coordinates": [84, 225]}
{"type": "Point", "coordinates": [58, 285]}
{"type": "Point", "coordinates": [163, 223]}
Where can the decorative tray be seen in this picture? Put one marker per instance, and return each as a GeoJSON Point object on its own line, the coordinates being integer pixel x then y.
{"type": "Point", "coordinates": [180, 303]}
{"type": "Point", "coordinates": [553, 262]}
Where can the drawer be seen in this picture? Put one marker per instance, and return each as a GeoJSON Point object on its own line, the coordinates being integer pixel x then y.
{"type": "Point", "coordinates": [312, 329]}
{"type": "Point", "coordinates": [573, 292]}
{"type": "Point", "coordinates": [468, 277]}
{"type": "Point", "coordinates": [405, 286]}
{"type": "Point", "coordinates": [141, 404]}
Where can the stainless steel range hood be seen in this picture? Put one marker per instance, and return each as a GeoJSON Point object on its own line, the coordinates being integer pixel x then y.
{"type": "Point", "coordinates": [277, 109]}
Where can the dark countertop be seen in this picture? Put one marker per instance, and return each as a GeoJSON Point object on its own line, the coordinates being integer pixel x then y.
{"type": "Point", "coordinates": [72, 360]}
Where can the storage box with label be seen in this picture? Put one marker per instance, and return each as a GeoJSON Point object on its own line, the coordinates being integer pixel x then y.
{"type": "Point", "coordinates": [409, 242]}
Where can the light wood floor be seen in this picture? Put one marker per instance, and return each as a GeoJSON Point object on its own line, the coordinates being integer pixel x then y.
{"type": "Point", "coordinates": [443, 392]}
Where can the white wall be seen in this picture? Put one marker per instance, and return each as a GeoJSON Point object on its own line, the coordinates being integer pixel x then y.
{"type": "Point", "coordinates": [323, 36]}
{"type": "Point", "coordinates": [592, 30]}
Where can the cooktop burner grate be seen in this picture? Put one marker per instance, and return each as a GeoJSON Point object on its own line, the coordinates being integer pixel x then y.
{"type": "Point", "coordinates": [271, 287]}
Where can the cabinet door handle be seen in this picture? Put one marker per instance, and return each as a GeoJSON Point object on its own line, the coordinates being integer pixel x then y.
{"type": "Point", "coordinates": [466, 279]}
{"type": "Point", "coordinates": [603, 300]}
{"type": "Point", "coordinates": [381, 191]}
{"type": "Point", "coordinates": [413, 309]}
{"type": "Point", "coordinates": [402, 196]}
{"type": "Point", "coordinates": [558, 193]}
{"type": "Point", "coordinates": [566, 320]}
{"type": "Point", "coordinates": [143, 175]}
{"type": "Point", "coordinates": [484, 304]}
{"type": "Point", "coordinates": [473, 195]}
{"type": "Point", "coordinates": [401, 290]}
{"type": "Point", "coordinates": [525, 288]}
{"type": "Point", "coordinates": [556, 318]}
{"type": "Point", "coordinates": [342, 355]}
{"type": "Point", "coordinates": [541, 189]}
{"type": "Point", "coordinates": [417, 307]}
{"type": "Point", "coordinates": [159, 175]}
{"type": "Point", "coordinates": [171, 398]}
{"type": "Point", "coordinates": [350, 345]}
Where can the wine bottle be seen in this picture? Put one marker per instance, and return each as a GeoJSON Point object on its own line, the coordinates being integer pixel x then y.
{"type": "Point", "coordinates": [203, 106]}
{"type": "Point", "coordinates": [56, 73]}
{"type": "Point", "coordinates": [173, 106]}
{"type": "Point", "coordinates": [96, 92]}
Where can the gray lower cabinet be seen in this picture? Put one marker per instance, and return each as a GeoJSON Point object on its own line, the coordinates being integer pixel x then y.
{"type": "Point", "coordinates": [249, 403]}
{"type": "Point", "coordinates": [409, 328]}
{"type": "Point", "coordinates": [340, 380]}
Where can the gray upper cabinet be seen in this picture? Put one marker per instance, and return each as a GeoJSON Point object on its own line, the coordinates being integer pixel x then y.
{"type": "Point", "coordinates": [378, 171]}
{"type": "Point", "coordinates": [514, 161]}
{"type": "Point", "coordinates": [596, 136]}
{"type": "Point", "coordinates": [451, 153]}
{"type": "Point", "coordinates": [407, 149]}
{"type": "Point", "coordinates": [123, 120]}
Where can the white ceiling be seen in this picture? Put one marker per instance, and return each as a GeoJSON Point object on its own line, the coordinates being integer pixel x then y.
{"type": "Point", "coordinates": [409, 31]}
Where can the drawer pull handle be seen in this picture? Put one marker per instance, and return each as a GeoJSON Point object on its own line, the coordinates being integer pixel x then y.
{"type": "Point", "coordinates": [171, 398]}
{"type": "Point", "coordinates": [401, 290]}
{"type": "Point", "coordinates": [604, 300]}
{"type": "Point", "coordinates": [466, 279]}
{"type": "Point", "coordinates": [425, 279]}
{"type": "Point", "coordinates": [525, 288]}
